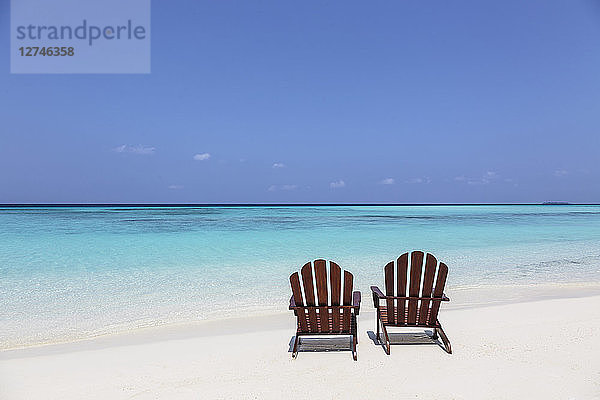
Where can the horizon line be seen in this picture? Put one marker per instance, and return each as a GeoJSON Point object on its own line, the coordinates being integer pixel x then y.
{"type": "Point", "coordinates": [25, 205]}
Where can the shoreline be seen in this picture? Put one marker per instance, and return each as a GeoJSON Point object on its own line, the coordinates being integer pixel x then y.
{"type": "Point", "coordinates": [462, 298]}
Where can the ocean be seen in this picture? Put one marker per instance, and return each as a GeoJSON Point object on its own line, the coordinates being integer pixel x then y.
{"type": "Point", "coordinates": [76, 272]}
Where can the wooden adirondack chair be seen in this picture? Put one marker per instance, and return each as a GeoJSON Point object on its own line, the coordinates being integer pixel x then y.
{"type": "Point", "coordinates": [319, 315]}
{"type": "Point", "coordinates": [418, 308]}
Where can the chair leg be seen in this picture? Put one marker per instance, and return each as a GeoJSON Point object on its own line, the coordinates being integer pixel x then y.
{"type": "Point", "coordinates": [435, 335]}
{"type": "Point", "coordinates": [377, 323]}
{"type": "Point", "coordinates": [388, 344]}
{"type": "Point", "coordinates": [354, 342]}
{"type": "Point", "coordinates": [444, 339]}
{"type": "Point", "coordinates": [295, 349]}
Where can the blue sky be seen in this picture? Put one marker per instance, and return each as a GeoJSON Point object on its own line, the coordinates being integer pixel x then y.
{"type": "Point", "coordinates": [337, 101]}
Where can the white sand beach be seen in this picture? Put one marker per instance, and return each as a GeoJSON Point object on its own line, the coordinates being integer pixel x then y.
{"type": "Point", "coordinates": [545, 349]}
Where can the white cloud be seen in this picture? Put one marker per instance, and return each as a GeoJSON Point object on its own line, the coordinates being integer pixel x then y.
{"type": "Point", "coordinates": [487, 178]}
{"type": "Point", "coordinates": [478, 181]}
{"type": "Point", "coordinates": [137, 149]}
{"type": "Point", "coordinates": [201, 156]}
{"type": "Point", "coordinates": [387, 181]}
{"type": "Point", "coordinates": [559, 173]}
{"type": "Point", "coordinates": [175, 187]}
{"type": "Point", "coordinates": [424, 180]}
{"type": "Point", "coordinates": [337, 184]}
{"type": "Point", "coordinates": [140, 149]}
{"type": "Point", "coordinates": [279, 165]}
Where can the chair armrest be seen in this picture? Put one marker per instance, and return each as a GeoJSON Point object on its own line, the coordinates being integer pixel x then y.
{"type": "Point", "coordinates": [356, 301]}
{"type": "Point", "coordinates": [444, 297]}
{"type": "Point", "coordinates": [376, 295]}
{"type": "Point", "coordinates": [292, 303]}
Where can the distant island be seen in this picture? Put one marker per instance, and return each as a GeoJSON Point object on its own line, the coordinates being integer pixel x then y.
{"type": "Point", "coordinates": [554, 203]}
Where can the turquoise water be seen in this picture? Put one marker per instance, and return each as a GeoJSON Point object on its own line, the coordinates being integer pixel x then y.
{"type": "Point", "coordinates": [77, 272]}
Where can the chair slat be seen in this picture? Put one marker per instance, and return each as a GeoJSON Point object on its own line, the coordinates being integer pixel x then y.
{"type": "Point", "coordinates": [416, 266]}
{"type": "Point", "coordinates": [430, 267]}
{"type": "Point", "coordinates": [402, 268]}
{"type": "Point", "coordinates": [348, 285]}
{"type": "Point", "coordinates": [321, 281]}
{"type": "Point", "coordinates": [389, 287]}
{"type": "Point", "coordinates": [297, 293]}
{"type": "Point", "coordinates": [335, 282]}
{"type": "Point", "coordinates": [309, 294]}
{"type": "Point", "coordinates": [324, 319]}
{"type": "Point", "coordinates": [438, 291]}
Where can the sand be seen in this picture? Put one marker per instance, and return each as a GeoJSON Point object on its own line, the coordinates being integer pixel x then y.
{"type": "Point", "coordinates": [546, 349]}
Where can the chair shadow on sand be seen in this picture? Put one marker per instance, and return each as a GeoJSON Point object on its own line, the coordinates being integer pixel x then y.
{"type": "Point", "coordinates": [308, 344]}
{"type": "Point", "coordinates": [344, 343]}
{"type": "Point", "coordinates": [406, 338]}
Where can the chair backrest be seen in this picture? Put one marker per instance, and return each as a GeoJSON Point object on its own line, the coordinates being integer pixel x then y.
{"type": "Point", "coordinates": [321, 312]}
{"type": "Point", "coordinates": [420, 277]}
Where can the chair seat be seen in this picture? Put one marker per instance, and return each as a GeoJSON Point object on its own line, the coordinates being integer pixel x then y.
{"type": "Point", "coordinates": [395, 320]}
